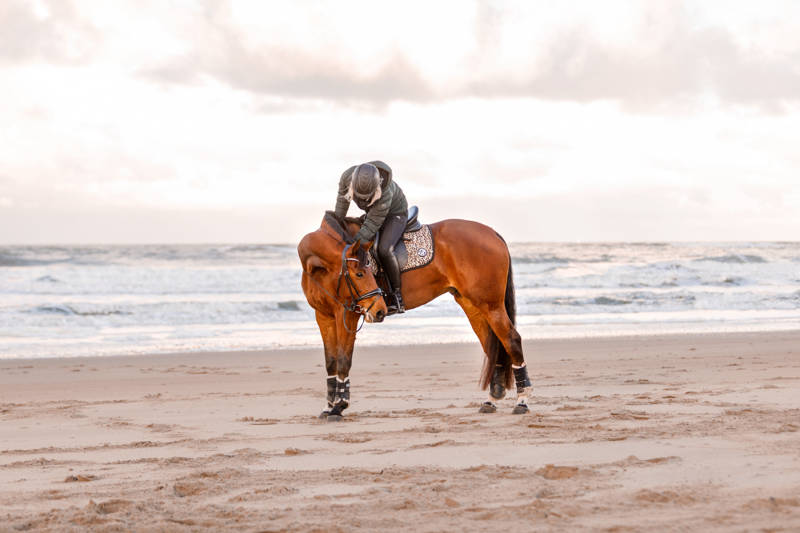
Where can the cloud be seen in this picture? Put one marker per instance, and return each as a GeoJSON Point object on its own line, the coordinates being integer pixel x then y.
{"type": "Point", "coordinates": [289, 73]}
{"type": "Point", "coordinates": [488, 24]}
{"type": "Point", "coordinates": [666, 56]}
{"type": "Point", "coordinates": [52, 33]}
{"type": "Point", "coordinates": [687, 64]}
{"type": "Point", "coordinates": [681, 61]}
{"type": "Point", "coordinates": [278, 70]}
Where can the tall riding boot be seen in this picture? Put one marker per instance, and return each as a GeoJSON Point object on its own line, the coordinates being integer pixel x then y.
{"type": "Point", "coordinates": [392, 271]}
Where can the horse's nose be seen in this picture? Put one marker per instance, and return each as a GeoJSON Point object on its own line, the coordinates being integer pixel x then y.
{"type": "Point", "coordinates": [379, 316]}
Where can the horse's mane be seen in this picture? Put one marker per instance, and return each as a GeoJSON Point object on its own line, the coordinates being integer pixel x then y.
{"type": "Point", "coordinates": [339, 224]}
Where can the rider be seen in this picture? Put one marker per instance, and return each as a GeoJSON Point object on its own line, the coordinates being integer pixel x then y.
{"type": "Point", "coordinates": [370, 185]}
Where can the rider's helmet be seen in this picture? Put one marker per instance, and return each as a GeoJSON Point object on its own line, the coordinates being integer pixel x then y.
{"type": "Point", "coordinates": [366, 185]}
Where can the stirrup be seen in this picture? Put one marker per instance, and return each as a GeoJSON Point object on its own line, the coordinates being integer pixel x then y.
{"type": "Point", "coordinates": [398, 306]}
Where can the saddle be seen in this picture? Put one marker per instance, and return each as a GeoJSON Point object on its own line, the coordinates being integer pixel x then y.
{"type": "Point", "coordinates": [413, 250]}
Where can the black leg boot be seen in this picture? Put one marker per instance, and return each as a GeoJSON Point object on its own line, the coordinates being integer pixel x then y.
{"type": "Point", "coordinates": [331, 383]}
{"type": "Point", "coordinates": [341, 399]}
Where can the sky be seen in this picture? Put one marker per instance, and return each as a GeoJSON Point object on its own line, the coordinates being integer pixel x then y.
{"type": "Point", "coordinates": [224, 121]}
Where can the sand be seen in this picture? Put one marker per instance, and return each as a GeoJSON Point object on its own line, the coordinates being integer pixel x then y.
{"type": "Point", "coordinates": [667, 433]}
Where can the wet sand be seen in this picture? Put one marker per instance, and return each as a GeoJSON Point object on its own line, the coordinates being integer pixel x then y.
{"type": "Point", "coordinates": [668, 433]}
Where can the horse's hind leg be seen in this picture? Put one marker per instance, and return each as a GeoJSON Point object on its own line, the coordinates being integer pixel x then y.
{"type": "Point", "coordinates": [506, 332]}
{"type": "Point", "coordinates": [481, 328]}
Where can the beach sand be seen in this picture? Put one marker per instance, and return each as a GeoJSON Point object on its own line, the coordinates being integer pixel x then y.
{"type": "Point", "coordinates": [666, 433]}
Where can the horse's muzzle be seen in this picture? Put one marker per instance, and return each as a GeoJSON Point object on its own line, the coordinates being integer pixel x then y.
{"type": "Point", "coordinates": [379, 316]}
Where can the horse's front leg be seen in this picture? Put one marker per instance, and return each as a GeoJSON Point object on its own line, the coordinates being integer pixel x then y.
{"type": "Point", "coordinates": [327, 328]}
{"type": "Point", "coordinates": [338, 359]}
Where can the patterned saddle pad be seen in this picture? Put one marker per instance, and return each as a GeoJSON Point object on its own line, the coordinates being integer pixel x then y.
{"type": "Point", "coordinates": [413, 250]}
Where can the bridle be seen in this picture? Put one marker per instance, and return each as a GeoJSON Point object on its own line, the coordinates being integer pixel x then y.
{"type": "Point", "coordinates": [355, 296]}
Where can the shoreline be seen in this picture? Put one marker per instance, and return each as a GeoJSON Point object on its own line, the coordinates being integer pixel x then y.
{"type": "Point", "coordinates": [437, 345]}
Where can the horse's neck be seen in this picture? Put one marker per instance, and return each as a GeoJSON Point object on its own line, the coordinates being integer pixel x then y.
{"type": "Point", "coordinates": [353, 227]}
{"type": "Point", "coordinates": [350, 225]}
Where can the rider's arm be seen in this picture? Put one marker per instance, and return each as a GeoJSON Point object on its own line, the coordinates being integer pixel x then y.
{"type": "Point", "coordinates": [376, 215]}
{"type": "Point", "coordinates": [342, 199]}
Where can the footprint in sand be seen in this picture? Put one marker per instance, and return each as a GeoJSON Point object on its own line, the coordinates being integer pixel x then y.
{"type": "Point", "coordinates": [557, 472]}
{"type": "Point", "coordinates": [79, 478]}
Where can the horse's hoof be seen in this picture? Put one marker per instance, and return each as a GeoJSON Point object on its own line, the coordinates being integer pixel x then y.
{"type": "Point", "coordinates": [520, 409]}
{"type": "Point", "coordinates": [335, 418]}
{"type": "Point", "coordinates": [324, 414]}
{"type": "Point", "coordinates": [488, 407]}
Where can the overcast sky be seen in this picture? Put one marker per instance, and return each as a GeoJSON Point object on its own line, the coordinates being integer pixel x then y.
{"type": "Point", "coordinates": [217, 121]}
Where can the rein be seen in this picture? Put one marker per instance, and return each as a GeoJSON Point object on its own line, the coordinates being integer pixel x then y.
{"type": "Point", "coordinates": [355, 296]}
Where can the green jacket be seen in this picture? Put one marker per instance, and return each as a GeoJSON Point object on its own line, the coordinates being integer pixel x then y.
{"type": "Point", "coordinates": [391, 202]}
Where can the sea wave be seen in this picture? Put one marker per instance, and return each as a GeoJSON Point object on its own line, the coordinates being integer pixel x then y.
{"type": "Point", "coordinates": [291, 305]}
{"type": "Point", "coordinates": [538, 259]}
{"type": "Point", "coordinates": [26, 256]}
{"type": "Point", "coordinates": [555, 259]}
{"type": "Point", "coordinates": [735, 259]}
{"type": "Point", "coordinates": [177, 312]}
{"type": "Point", "coordinates": [604, 300]}
{"type": "Point", "coordinates": [9, 260]}
{"type": "Point", "coordinates": [95, 297]}
{"type": "Point", "coordinates": [69, 310]}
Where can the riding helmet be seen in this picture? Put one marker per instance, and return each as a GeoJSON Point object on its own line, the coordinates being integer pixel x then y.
{"type": "Point", "coordinates": [366, 185]}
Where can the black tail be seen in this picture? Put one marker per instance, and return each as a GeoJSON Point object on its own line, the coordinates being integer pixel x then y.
{"type": "Point", "coordinates": [496, 353]}
{"type": "Point", "coordinates": [511, 299]}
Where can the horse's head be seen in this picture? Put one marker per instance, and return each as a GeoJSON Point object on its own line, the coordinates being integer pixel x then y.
{"type": "Point", "coordinates": [335, 273]}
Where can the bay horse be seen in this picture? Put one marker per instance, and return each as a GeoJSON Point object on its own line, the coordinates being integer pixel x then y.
{"type": "Point", "coordinates": [471, 262]}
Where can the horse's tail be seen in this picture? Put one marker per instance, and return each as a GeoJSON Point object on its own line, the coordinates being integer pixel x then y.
{"type": "Point", "coordinates": [496, 354]}
{"type": "Point", "coordinates": [511, 299]}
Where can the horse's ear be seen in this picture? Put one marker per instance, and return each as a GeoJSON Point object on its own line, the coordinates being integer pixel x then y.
{"type": "Point", "coordinates": [353, 251]}
{"type": "Point", "coordinates": [315, 266]}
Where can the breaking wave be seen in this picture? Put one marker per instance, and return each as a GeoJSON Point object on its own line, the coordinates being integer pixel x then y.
{"type": "Point", "coordinates": [69, 310]}
{"type": "Point", "coordinates": [735, 259]}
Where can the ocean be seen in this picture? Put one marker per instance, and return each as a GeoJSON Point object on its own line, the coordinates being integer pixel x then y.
{"type": "Point", "coordinates": [63, 301]}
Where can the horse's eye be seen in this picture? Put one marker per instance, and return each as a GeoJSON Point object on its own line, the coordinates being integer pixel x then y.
{"type": "Point", "coordinates": [359, 274]}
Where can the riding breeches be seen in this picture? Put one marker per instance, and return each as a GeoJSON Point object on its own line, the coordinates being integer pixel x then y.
{"type": "Point", "coordinates": [391, 231]}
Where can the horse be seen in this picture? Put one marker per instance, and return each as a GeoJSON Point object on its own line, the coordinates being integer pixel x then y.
{"type": "Point", "coordinates": [472, 262]}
